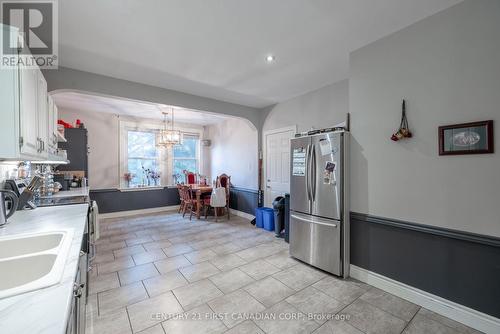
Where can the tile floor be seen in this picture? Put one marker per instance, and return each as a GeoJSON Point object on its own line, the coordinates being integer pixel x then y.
{"type": "Point", "coordinates": [162, 274]}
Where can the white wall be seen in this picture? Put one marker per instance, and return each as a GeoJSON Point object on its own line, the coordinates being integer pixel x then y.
{"type": "Point", "coordinates": [321, 108]}
{"type": "Point", "coordinates": [234, 152]}
{"type": "Point", "coordinates": [103, 140]}
{"type": "Point", "coordinates": [448, 68]}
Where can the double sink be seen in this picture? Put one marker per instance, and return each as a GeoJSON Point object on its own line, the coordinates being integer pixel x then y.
{"type": "Point", "coordinates": [31, 262]}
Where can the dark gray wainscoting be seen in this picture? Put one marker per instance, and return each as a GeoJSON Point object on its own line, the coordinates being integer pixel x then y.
{"type": "Point", "coordinates": [245, 200]}
{"type": "Point", "coordinates": [113, 200]}
{"type": "Point", "coordinates": [458, 266]}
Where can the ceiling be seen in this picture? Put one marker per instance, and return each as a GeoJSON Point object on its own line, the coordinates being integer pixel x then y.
{"type": "Point", "coordinates": [135, 109]}
{"type": "Point", "coordinates": [217, 48]}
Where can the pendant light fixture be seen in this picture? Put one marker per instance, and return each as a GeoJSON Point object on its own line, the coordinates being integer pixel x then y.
{"type": "Point", "coordinates": [168, 136]}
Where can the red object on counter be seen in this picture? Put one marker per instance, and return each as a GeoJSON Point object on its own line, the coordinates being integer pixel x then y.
{"type": "Point", "coordinates": [66, 125]}
{"type": "Point", "coordinates": [78, 122]}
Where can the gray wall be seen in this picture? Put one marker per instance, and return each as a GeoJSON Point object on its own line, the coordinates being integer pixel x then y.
{"type": "Point", "coordinates": [321, 108]}
{"type": "Point", "coordinates": [234, 152]}
{"type": "Point", "coordinates": [447, 67]}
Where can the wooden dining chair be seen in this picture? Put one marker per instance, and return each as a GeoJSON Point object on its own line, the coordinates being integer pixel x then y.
{"type": "Point", "coordinates": [190, 177]}
{"type": "Point", "coordinates": [179, 189]}
{"type": "Point", "coordinates": [190, 202]}
{"type": "Point", "coordinates": [224, 181]}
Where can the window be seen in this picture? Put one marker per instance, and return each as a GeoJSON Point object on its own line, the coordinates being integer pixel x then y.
{"type": "Point", "coordinates": [141, 154]}
{"type": "Point", "coordinates": [186, 155]}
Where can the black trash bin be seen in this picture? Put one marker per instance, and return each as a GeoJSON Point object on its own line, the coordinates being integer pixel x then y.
{"type": "Point", "coordinates": [279, 216]}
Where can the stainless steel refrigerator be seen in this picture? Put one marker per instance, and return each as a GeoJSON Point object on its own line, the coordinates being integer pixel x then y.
{"type": "Point", "coordinates": [319, 212]}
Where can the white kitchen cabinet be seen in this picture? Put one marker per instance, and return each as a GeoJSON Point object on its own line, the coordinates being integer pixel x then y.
{"type": "Point", "coordinates": [43, 115]}
{"type": "Point", "coordinates": [28, 115]}
{"type": "Point", "coordinates": [27, 123]}
{"type": "Point", "coordinates": [52, 140]}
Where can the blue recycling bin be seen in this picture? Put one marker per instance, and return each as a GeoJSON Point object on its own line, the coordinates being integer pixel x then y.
{"type": "Point", "coordinates": [264, 218]}
{"type": "Point", "coordinates": [259, 222]}
{"type": "Point", "coordinates": [268, 219]}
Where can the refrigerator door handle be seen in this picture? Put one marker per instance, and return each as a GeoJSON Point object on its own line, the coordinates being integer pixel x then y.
{"type": "Point", "coordinates": [312, 221]}
{"type": "Point", "coordinates": [313, 173]}
{"type": "Point", "coordinates": [307, 175]}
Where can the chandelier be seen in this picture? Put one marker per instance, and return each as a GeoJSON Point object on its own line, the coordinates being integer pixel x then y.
{"type": "Point", "coordinates": [168, 137]}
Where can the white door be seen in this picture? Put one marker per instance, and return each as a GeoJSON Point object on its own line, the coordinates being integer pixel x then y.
{"type": "Point", "coordinates": [277, 171]}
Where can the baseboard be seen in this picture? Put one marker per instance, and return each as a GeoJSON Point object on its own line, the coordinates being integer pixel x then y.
{"type": "Point", "coordinates": [138, 212]}
{"type": "Point", "coordinates": [242, 214]}
{"type": "Point", "coordinates": [447, 308]}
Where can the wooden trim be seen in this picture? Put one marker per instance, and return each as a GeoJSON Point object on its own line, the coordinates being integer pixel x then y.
{"type": "Point", "coordinates": [444, 232]}
{"type": "Point", "coordinates": [489, 133]}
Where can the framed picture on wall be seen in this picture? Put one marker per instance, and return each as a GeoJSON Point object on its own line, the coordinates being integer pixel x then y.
{"type": "Point", "coordinates": [466, 138]}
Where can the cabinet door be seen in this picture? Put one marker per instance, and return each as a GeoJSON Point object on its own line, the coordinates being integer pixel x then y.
{"type": "Point", "coordinates": [43, 114]}
{"type": "Point", "coordinates": [28, 111]}
{"type": "Point", "coordinates": [52, 140]}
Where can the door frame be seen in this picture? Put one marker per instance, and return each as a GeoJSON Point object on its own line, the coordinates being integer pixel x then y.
{"type": "Point", "coordinates": [264, 153]}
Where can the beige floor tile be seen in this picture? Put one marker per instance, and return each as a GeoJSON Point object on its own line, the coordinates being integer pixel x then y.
{"type": "Point", "coordinates": [200, 256]}
{"type": "Point", "coordinates": [231, 280]}
{"type": "Point", "coordinates": [120, 297]}
{"type": "Point", "coordinates": [313, 302]}
{"type": "Point", "coordinates": [447, 321]}
{"type": "Point", "coordinates": [137, 273]}
{"type": "Point", "coordinates": [269, 291]}
{"type": "Point", "coordinates": [116, 322]}
{"type": "Point", "coordinates": [154, 310]}
{"type": "Point", "coordinates": [279, 320]}
{"type": "Point", "coordinates": [171, 264]}
{"type": "Point", "coordinates": [227, 262]}
{"type": "Point", "coordinates": [178, 249]}
{"type": "Point", "coordinates": [199, 320]}
{"type": "Point", "coordinates": [199, 271]}
{"type": "Point", "coordinates": [109, 246]}
{"type": "Point", "coordinates": [226, 248]}
{"type": "Point", "coordinates": [103, 282]}
{"type": "Point", "coordinates": [163, 283]}
{"type": "Point", "coordinates": [300, 276]}
{"type": "Point", "coordinates": [259, 269]}
{"type": "Point", "coordinates": [196, 294]}
{"type": "Point", "coordinates": [344, 291]}
{"type": "Point", "coordinates": [337, 327]}
{"type": "Point", "coordinates": [282, 260]}
{"type": "Point", "coordinates": [128, 251]}
{"type": "Point", "coordinates": [424, 325]}
{"type": "Point", "coordinates": [371, 319]}
{"type": "Point", "coordinates": [118, 264]}
{"type": "Point", "coordinates": [147, 257]}
{"type": "Point", "coordinates": [236, 306]}
{"type": "Point", "coordinates": [138, 240]}
{"type": "Point", "coordinates": [247, 327]}
{"type": "Point", "coordinates": [149, 246]}
{"type": "Point", "coordinates": [394, 305]}
{"type": "Point", "coordinates": [157, 329]}
{"type": "Point", "coordinates": [103, 257]}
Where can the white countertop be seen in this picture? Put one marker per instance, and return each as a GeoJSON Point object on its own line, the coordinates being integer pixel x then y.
{"type": "Point", "coordinates": [82, 191]}
{"type": "Point", "coordinates": [47, 310]}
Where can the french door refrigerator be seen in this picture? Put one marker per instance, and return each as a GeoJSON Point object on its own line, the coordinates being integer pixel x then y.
{"type": "Point", "coordinates": [319, 214]}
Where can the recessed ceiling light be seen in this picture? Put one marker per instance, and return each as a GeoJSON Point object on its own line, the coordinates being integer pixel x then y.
{"type": "Point", "coordinates": [270, 58]}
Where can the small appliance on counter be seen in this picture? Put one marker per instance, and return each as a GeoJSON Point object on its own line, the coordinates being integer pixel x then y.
{"type": "Point", "coordinates": [7, 196]}
{"type": "Point", "coordinates": [23, 192]}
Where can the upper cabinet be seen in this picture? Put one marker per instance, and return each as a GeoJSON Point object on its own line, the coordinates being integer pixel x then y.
{"type": "Point", "coordinates": [28, 115]}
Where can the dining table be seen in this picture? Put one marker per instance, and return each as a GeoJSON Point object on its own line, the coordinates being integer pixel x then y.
{"type": "Point", "coordinates": [199, 190]}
